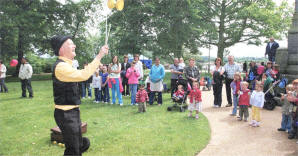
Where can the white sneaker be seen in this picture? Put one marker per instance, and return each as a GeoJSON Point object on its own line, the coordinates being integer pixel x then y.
{"type": "Point", "coordinates": [121, 104]}
{"type": "Point", "coordinates": [97, 101]}
{"type": "Point", "coordinates": [111, 103]}
{"type": "Point", "coordinates": [216, 106]}
{"type": "Point", "coordinates": [89, 97]}
{"type": "Point", "coordinates": [137, 104]}
{"type": "Point", "coordinates": [106, 102]}
{"type": "Point", "coordinates": [94, 101]}
{"type": "Point", "coordinates": [131, 104]}
{"type": "Point", "coordinates": [83, 97]}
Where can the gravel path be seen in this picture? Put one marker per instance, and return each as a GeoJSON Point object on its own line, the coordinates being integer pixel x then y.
{"type": "Point", "coordinates": [230, 137]}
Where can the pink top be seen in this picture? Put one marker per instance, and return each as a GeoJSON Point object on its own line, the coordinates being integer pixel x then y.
{"type": "Point", "coordinates": [260, 69]}
{"type": "Point", "coordinates": [132, 74]}
{"type": "Point", "coordinates": [142, 96]}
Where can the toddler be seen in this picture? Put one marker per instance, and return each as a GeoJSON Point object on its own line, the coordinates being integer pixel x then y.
{"type": "Point", "coordinates": [235, 85]}
{"type": "Point", "coordinates": [195, 100]}
{"type": "Point", "coordinates": [179, 94]}
{"type": "Point", "coordinates": [257, 99]}
{"type": "Point", "coordinates": [287, 107]}
{"type": "Point", "coordinates": [244, 101]}
{"type": "Point", "coordinates": [96, 84]}
{"type": "Point", "coordinates": [142, 98]}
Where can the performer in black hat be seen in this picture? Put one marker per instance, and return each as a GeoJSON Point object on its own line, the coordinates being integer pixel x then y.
{"type": "Point", "coordinates": [66, 92]}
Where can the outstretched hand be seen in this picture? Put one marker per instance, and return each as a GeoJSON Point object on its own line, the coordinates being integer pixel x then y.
{"type": "Point", "coordinates": [103, 51]}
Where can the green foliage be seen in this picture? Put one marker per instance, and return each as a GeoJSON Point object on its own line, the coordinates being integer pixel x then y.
{"type": "Point", "coordinates": [247, 21]}
{"type": "Point", "coordinates": [112, 130]}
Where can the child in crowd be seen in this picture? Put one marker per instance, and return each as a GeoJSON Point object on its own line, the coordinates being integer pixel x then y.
{"type": "Point", "coordinates": [260, 70]}
{"type": "Point", "coordinates": [293, 98]}
{"type": "Point", "coordinates": [104, 84]}
{"type": "Point", "coordinates": [132, 74]}
{"type": "Point", "coordinates": [142, 98]}
{"type": "Point", "coordinates": [257, 101]}
{"type": "Point", "coordinates": [96, 84]}
{"type": "Point", "coordinates": [179, 94]}
{"type": "Point", "coordinates": [243, 101]}
{"type": "Point", "coordinates": [275, 72]}
{"type": "Point", "coordinates": [269, 69]}
{"type": "Point", "coordinates": [287, 108]}
{"type": "Point", "coordinates": [235, 85]}
{"type": "Point", "coordinates": [195, 100]}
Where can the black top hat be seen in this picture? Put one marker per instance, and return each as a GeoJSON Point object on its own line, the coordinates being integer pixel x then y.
{"type": "Point", "coordinates": [57, 42]}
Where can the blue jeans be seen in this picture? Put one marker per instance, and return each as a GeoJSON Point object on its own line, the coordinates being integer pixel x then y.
{"type": "Point", "coordinates": [85, 86]}
{"type": "Point", "coordinates": [152, 96]}
{"type": "Point", "coordinates": [235, 103]}
{"type": "Point", "coordinates": [286, 122]}
{"type": "Point", "coordinates": [116, 89]}
{"type": "Point", "coordinates": [106, 94]}
{"type": "Point", "coordinates": [97, 94]}
{"type": "Point", "coordinates": [133, 92]}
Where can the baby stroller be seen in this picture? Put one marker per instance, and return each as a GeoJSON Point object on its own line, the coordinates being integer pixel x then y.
{"type": "Point", "coordinates": [180, 104]}
{"type": "Point", "coordinates": [271, 100]}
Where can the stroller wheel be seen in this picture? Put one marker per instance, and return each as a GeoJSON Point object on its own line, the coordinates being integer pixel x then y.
{"type": "Point", "coordinates": [169, 109]}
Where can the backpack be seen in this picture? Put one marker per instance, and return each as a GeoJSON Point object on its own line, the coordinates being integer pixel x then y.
{"type": "Point", "coordinates": [251, 76]}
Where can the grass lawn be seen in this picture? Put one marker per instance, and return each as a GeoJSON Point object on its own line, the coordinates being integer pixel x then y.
{"type": "Point", "coordinates": [113, 130]}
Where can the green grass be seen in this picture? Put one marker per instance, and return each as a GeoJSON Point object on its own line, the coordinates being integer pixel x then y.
{"type": "Point", "coordinates": [113, 130]}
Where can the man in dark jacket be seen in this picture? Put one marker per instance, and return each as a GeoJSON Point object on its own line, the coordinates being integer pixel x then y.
{"type": "Point", "coordinates": [66, 93]}
{"type": "Point", "coordinates": [271, 49]}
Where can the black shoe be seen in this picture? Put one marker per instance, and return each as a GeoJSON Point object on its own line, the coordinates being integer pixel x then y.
{"type": "Point", "coordinates": [291, 136]}
{"type": "Point", "coordinates": [228, 105]}
{"type": "Point", "coordinates": [280, 129]}
{"type": "Point", "coordinates": [23, 96]}
{"type": "Point", "coordinates": [86, 144]}
{"type": "Point", "coordinates": [30, 97]}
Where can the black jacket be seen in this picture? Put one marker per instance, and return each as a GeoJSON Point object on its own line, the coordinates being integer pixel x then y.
{"type": "Point", "coordinates": [271, 51]}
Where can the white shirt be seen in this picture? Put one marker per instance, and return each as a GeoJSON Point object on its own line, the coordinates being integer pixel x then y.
{"type": "Point", "coordinates": [213, 68]}
{"type": "Point", "coordinates": [139, 67]}
{"type": "Point", "coordinates": [182, 65]}
{"type": "Point", "coordinates": [3, 71]}
{"type": "Point", "coordinates": [96, 82]}
{"type": "Point", "coordinates": [270, 44]}
{"type": "Point", "coordinates": [257, 99]}
{"type": "Point", "coordinates": [115, 67]}
{"type": "Point", "coordinates": [75, 64]}
{"type": "Point", "coordinates": [25, 71]}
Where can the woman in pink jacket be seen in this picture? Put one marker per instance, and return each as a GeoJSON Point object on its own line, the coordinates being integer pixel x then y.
{"type": "Point", "coordinates": [132, 75]}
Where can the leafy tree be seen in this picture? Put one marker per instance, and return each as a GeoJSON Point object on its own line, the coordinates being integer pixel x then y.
{"type": "Point", "coordinates": [236, 21]}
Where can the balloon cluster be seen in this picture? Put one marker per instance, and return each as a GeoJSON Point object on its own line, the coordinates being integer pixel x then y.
{"type": "Point", "coordinates": [119, 4]}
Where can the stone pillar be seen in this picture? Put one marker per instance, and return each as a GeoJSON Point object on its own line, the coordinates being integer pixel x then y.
{"type": "Point", "coordinates": [282, 59]}
{"type": "Point", "coordinates": [292, 67]}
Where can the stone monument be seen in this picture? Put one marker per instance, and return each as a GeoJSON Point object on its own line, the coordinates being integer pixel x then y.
{"type": "Point", "coordinates": [288, 58]}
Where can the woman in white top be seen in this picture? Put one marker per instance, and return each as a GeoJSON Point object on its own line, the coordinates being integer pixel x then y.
{"type": "Point", "coordinates": [3, 87]}
{"type": "Point", "coordinates": [115, 80]}
{"type": "Point", "coordinates": [139, 66]}
{"type": "Point", "coordinates": [217, 72]}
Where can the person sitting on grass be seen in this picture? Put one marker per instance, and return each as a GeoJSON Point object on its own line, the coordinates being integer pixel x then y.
{"type": "Point", "coordinates": [235, 85]}
{"type": "Point", "coordinates": [179, 94]}
{"type": "Point", "coordinates": [195, 100]}
{"type": "Point", "coordinates": [257, 101]}
{"type": "Point", "coordinates": [287, 107]}
{"type": "Point", "coordinates": [244, 96]}
{"type": "Point", "coordinates": [142, 98]}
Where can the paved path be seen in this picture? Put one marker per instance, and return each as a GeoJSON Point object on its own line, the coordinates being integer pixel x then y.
{"type": "Point", "coordinates": [230, 137]}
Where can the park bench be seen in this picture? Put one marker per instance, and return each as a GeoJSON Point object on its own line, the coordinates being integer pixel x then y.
{"type": "Point", "coordinates": [56, 134]}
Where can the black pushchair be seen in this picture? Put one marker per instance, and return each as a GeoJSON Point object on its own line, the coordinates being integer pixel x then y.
{"type": "Point", "coordinates": [181, 103]}
{"type": "Point", "coordinates": [273, 92]}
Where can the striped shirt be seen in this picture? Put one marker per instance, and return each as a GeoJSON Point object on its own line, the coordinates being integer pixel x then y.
{"type": "Point", "coordinates": [231, 69]}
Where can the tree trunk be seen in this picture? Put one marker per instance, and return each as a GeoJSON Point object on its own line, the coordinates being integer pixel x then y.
{"type": "Point", "coordinates": [221, 41]}
{"type": "Point", "coordinates": [20, 50]}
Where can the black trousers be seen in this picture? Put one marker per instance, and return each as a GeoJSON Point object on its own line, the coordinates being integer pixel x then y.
{"type": "Point", "coordinates": [173, 86]}
{"type": "Point", "coordinates": [217, 90]}
{"type": "Point", "coordinates": [70, 124]}
{"type": "Point", "coordinates": [26, 83]}
{"type": "Point", "coordinates": [125, 86]}
{"type": "Point", "coordinates": [152, 97]}
{"type": "Point", "coordinates": [228, 90]}
{"type": "Point", "coordinates": [294, 129]}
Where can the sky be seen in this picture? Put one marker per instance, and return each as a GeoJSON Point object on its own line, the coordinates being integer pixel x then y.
{"type": "Point", "coordinates": [238, 50]}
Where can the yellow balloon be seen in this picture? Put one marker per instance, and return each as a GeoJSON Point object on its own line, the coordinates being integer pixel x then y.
{"type": "Point", "coordinates": [120, 5]}
{"type": "Point", "coordinates": [111, 4]}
